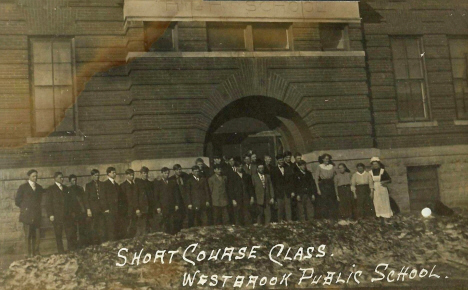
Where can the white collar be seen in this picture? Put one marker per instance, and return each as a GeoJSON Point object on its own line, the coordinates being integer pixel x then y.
{"type": "Point", "coordinates": [111, 180]}
{"type": "Point", "coordinates": [260, 174]}
{"type": "Point", "coordinates": [59, 185]}
{"type": "Point", "coordinates": [327, 167]}
{"type": "Point", "coordinates": [364, 172]}
{"type": "Point", "coordinates": [32, 183]}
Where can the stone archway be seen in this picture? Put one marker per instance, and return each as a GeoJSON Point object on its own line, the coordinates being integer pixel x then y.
{"type": "Point", "coordinates": [258, 93]}
{"type": "Point", "coordinates": [257, 117]}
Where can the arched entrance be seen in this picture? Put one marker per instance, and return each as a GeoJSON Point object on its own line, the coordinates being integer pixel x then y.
{"type": "Point", "coordinates": [262, 124]}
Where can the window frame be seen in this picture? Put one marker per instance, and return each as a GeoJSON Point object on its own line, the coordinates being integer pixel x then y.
{"type": "Point", "coordinates": [247, 35]}
{"type": "Point", "coordinates": [32, 98]}
{"type": "Point", "coordinates": [346, 40]}
{"type": "Point", "coordinates": [174, 32]}
{"type": "Point", "coordinates": [464, 116]}
{"type": "Point", "coordinates": [289, 36]}
{"type": "Point", "coordinates": [425, 90]}
{"type": "Point", "coordinates": [249, 39]}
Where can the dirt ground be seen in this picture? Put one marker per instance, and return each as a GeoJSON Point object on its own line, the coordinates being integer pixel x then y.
{"type": "Point", "coordinates": [408, 251]}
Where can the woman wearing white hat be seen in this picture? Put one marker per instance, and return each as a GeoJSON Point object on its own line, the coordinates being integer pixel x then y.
{"type": "Point", "coordinates": [381, 197]}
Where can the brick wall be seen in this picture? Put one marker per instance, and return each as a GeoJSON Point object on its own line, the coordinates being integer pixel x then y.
{"type": "Point", "coordinates": [435, 21]}
{"type": "Point", "coordinates": [163, 107]}
{"type": "Point", "coordinates": [101, 42]}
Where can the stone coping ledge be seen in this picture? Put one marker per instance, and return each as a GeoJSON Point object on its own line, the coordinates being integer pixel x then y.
{"type": "Point", "coordinates": [55, 139]}
{"type": "Point", "coordinates": [418, 124]}
{"type": "Point", "coordinates": [460, 122]}
{"type": "Point", "coordinates": [196, 54]}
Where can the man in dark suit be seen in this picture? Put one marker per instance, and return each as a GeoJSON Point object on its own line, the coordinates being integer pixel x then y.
{"type": "Point", "coordinates": [185, 208]}
{"type": "Point", "coordinates": [287, 155]}
{"type": "Point", "coordinates": [115, 206]}
{"type": "Point", "coordinates": [264, 195]}
{"type": "Point", "coordinates": [268, 164]}
{"type": "Point", "coordinates": [297, 159]}
{"type": "Point", "coordinates": [203, 168]}
{"type": "Point", "coordinates": [240, 191]}
{"type": "Point", "coordinates": [197, 187]}
{"type": "Point", "coordinates": [248, 167]}
{"type": "Point", "coordinates": [137, 205]}
{"type": "Point", "coordinates": [81, 222]}
{"type": "Point", "coordinates": [281, 176]}
{"type": "Point", "coordinates": [28, 198]}
{"type": "Point", "coordinates": [62, 208]}
{"type": "Point", "coordinates": [147, 188]}
{"type": "Point", "coordinates": [204, 172]}
{"type": "Point", "coordinates": [167, 200]}
{"type": "Point", "coordinates": [96, 205]}
{"type": "Point", "coordinates": [306, 190]}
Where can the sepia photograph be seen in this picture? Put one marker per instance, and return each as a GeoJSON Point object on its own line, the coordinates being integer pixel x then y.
{"type": "Point", "coordinates": [233, 144]}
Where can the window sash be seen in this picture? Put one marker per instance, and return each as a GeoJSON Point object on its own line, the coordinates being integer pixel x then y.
{"type": "Point", "coordinates": [220, 36]}
{"type": "Point", "coordinates": [52, 86]}
{"type": "Point", "coordinates": [263, 32]}
{"type": "Point", "coordinates": [410, 79]}
{"type": "Point", "coordinates": [459, 60]}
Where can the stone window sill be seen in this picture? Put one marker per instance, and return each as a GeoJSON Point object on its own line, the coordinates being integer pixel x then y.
{"type": "Point", "coordinates": [220, 54]}
{"type": "Point", "coordinates": [417, 124]}
{"type": "Point", "coordinates": [55, 139]}
{"type": "Point", "coordinates": [461, 122]}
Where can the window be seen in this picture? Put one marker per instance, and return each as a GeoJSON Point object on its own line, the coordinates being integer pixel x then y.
{"type": "Point", "coordinates": [161, 36]}
{"type": "Point", "coordinates": [271, 36]}
{"type": "Point", "coordinates": [459, 58]}
{"type": "Point", "coordinates": [226, 36]}
{"type": "Point", "coordinates": [249, 36]}
{"type": "Point", "coordinates": [52, 65]}
{"type": "Point", "coordinates": [334, 36]}
{"type": "Point", "coordinates": [410, 78]}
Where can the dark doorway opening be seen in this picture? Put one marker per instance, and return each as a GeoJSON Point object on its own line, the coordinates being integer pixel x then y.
{"type": "Point", "coordinates": [260, 124]}
{"type": "Point", "coordinates": [423, 185]}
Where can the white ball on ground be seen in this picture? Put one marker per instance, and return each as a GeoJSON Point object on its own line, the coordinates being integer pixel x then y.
{"type": "Point", "coordinates": [426, 212]}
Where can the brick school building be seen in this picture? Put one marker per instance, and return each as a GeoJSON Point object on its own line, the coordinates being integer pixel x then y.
{"type": "Point", "coordinates": [89, 84]}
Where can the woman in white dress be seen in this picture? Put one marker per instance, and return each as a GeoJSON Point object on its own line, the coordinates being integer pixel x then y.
{"type": "Point", "coordinates": [381, 197]}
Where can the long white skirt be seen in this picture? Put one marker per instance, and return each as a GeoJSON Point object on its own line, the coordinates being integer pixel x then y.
{"type": "Point", "coordinates": [382, 201]}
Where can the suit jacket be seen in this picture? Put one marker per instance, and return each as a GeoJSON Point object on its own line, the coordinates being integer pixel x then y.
{"type": "Point", "coordinates": [218, 190]}
{"type": "Point", "coordinates": [205, 171]}
{"type": "Point", "coordinates": [184, 197]}
{"type": "Point", "coordinates": [116, 203]}
{"type": "Point", "coordinates": [95, 199]}
{"type": "Point", "coordinates": [268, 169]}
{"type": "Point", "coordinates": [295, 168]}
{"type": "Point", "coordinates": [252, 170]}
{"type": "Point", "coordinates": [240, 189]}
{"type": "Point", "coordinates": [61, 204]}
{"type": "Point", "coordinates": [166, 195]}
{"type": "Point", "coordinates": [262, 195]}
{"type": "Point", "coordinates": [147, 188]}
{"type": "Point", "coordinates": [304, 184]}
{"type": "Point", "coordinates": [283, 184]}
{"type": "Point", "coordinates": [78, 193]}
{"type": "Point", "coordinates": [198, 191]}
{"type": "Point", "coordinates": [136, 198]}
{"type": "Point", "coordinates": [29, 202]}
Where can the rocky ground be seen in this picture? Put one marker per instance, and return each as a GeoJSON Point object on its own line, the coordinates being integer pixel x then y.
{"type": "Point", "coordinates": [404, 241]}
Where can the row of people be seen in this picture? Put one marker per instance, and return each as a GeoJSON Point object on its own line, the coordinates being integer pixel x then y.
{"type": "Point", "coordinates": [232, 192]}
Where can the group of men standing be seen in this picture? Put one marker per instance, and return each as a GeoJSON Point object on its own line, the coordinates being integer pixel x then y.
{"type": "Point", "coordinates": [233, 191]}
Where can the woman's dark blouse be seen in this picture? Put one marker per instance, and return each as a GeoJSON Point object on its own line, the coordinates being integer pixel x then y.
{"type": "Point", "coordinates": [384, 177]}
